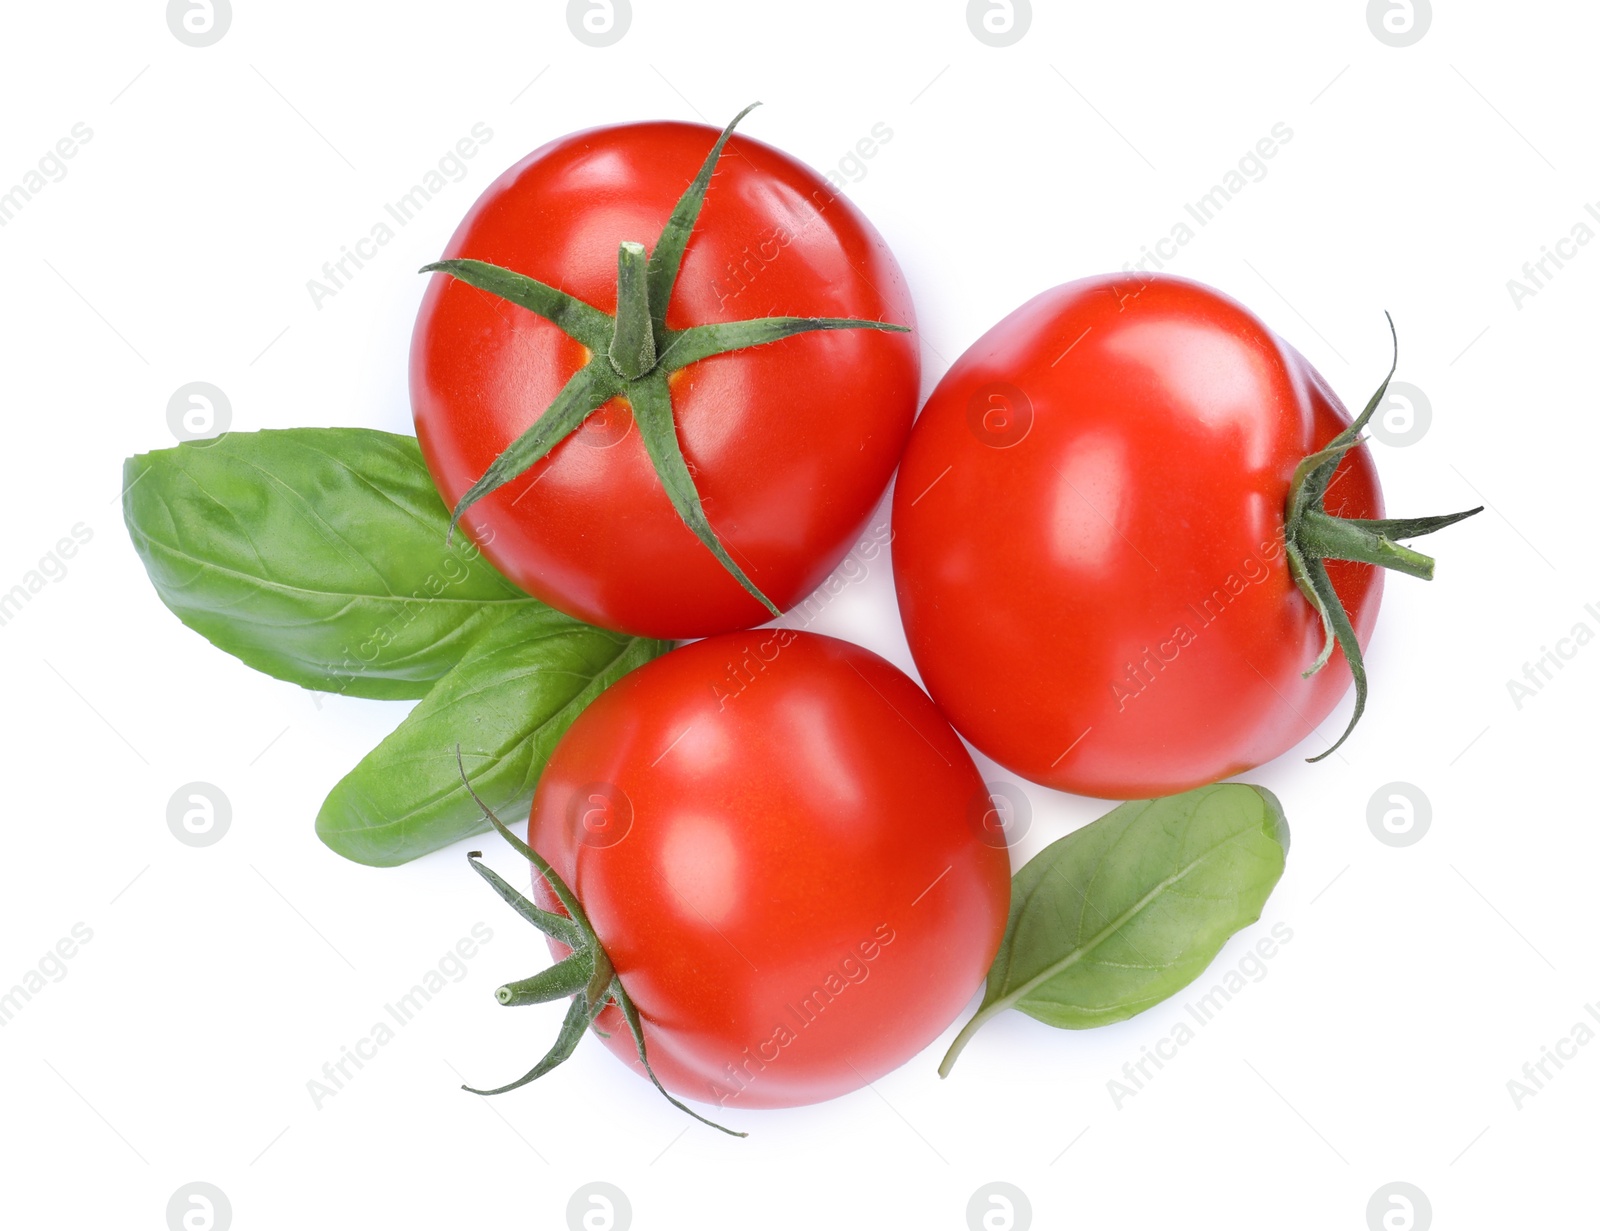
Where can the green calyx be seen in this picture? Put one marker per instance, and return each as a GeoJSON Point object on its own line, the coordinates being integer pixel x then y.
{"type": "Point", "coordinates": [631, 356]}
{"type": "Point", "coordinates": [1312, 535]}
{"type": "Point", "coordinates": [586, 975]}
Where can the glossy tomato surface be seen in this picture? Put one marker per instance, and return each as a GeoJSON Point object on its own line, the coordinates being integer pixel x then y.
{"type": "Point", "coordinates": [1088, 540]}
{"type": "Point", "coordinates": [782, 847]}
{"type": "Point", "coordinates": [790, 444]}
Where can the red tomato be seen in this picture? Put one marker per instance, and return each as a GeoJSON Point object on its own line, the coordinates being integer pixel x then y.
{"type": "Point", "coordinates": [782, 848]}
{"type": "Point", "coordinates": [1089, 540]}
{"type": "Point", "coordinates": [790, 444]}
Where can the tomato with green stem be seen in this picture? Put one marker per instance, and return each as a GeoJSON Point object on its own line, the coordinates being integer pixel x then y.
{"type": "Point", "coordinates": [1137, 540]}
{"type": "Point", "coordinates": [670, 441]}
{"type": "Point", "coordinates": [783, 854]}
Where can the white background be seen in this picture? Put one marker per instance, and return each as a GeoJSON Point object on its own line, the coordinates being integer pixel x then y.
{"type": "Point", "coordinates": [219, 980]}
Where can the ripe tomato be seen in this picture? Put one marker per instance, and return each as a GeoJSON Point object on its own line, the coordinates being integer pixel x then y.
{"type": "Point", "coordinates": [782, 847]}
{"type": "Point", "coordinates": [1089, 540]}
{"type": "Point", "coordinates": [789, 444]}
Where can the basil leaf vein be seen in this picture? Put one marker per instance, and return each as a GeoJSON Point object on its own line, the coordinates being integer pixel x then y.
{"type": "Point", "coordinates": [315, 555]}
{"type": "Point", "coordinates": [509, 700]}
{"type": "Point", "coordinates": [1121, 914]}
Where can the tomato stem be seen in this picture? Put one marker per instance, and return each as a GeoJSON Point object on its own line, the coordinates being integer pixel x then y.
{"type": "Point", "coordinates": [633, 343]}
{"type": "Point", "coordinates": [1313, 535]}
{"type": "Point", "coordinates": [566, 978]}
{"type": "Point", "coordinates": [1335, 538]}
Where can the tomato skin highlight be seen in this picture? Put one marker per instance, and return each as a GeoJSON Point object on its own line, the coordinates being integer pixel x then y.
{"type": "Point", "coordinates": [1103, 604]}
{"type": "Point", "coordinates": [790, 443]}
{"type": "Point", "coordinates": [787, 865]}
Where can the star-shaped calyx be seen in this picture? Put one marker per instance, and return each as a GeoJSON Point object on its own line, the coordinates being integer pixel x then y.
{"type": "Point", "coordinates": [585, 976]}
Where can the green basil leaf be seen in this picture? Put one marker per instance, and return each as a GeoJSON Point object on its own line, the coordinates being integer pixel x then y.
{"type": "Point", "coordinates": [316, 555]}
{"type": "Point", "coordinates": [1123, 913]}
{"type": "Point", "coordinates": [507, 702]}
